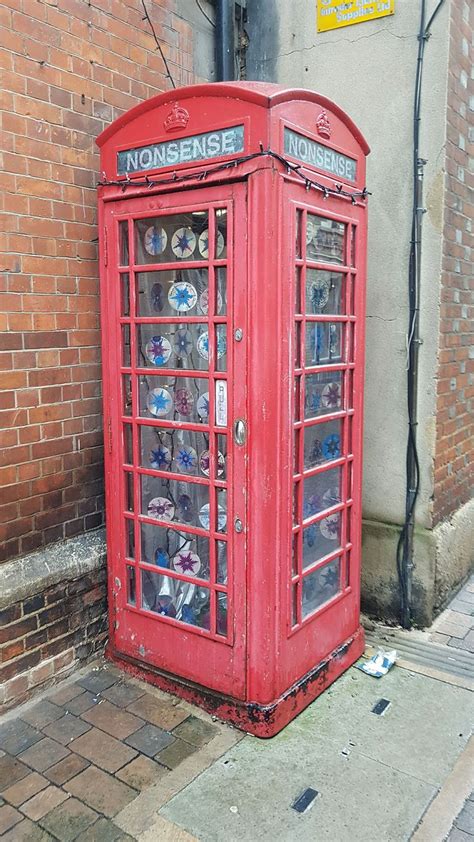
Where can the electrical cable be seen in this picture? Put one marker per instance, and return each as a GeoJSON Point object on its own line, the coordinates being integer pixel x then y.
{"type": "Point", "coordinates": [290, 167]}
{"type": "Point", "coordinates": [158, 45]}
{"type": "Point", "coordinates": [404, 553]}
{"type": "Point", "coordinates": [198, 4]}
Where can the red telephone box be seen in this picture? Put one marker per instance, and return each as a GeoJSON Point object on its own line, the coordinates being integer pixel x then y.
{"type": "Point", "coordinates": [233, 240]}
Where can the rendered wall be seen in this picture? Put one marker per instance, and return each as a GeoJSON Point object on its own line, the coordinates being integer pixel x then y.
{"type": "Point", "coordinates": [369, 70]}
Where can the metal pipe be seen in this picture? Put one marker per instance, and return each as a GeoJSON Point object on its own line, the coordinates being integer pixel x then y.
{"type": "Point", "coordinates": [225, 40]}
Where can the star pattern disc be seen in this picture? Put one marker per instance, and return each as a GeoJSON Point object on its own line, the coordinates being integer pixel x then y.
{"type": "Point", "coordinates": [186, 459]}
{"type": "Point", "coordinates": [158, 350]}
{"type": "Point", "coordinates": [329, 527]}
{"type": "Point", "coordinates": [161, 508]}
{"type": "Point", "coordinates": [183, 243]}
{"type": "Point", "coordinates": [182, 296]}
{"type": "Point", "coordinates": [159, 402]}
{"type": "Point", "coordinates": [160, 458]}
{"type": "Point", "coordinates": [331, 396]}
{"type": "Point", "coordinates": [187, 562]}
{"type": "Point", "coordinates": [202, 405]}
{"type": "Point", "coordinates": [155, 240]}
{"type": "Point", "coordinates": [203, 244]}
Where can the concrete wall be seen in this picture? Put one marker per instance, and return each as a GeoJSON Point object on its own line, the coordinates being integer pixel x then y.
{"type": "Point", "coordinates": [369, 70]}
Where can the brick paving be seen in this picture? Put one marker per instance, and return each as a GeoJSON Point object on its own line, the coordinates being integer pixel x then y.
{"type": "Point", "coordinates": [72, 761]}
{"type": "Point", "coordinates": [463, 826]}
{"type": "Point", "coordinates": [455, 626]}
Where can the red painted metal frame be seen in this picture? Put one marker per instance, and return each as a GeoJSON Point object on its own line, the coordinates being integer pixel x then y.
{"type": "Point", "coordinates": [270, 667]}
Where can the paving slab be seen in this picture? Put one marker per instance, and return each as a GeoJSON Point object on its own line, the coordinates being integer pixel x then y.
{"type": "Point", "coordinates": [21, 791]}
{"type": "Point", "coordinates": [79, 704]}
{"type": "Point", "coordinates": [16, 736]}
{"type": "Point", "coordinates": [27, 831]}
{"type": "Point", "coordinates": [112, 719]}
{"type": "Point", "coordinates": [100, 791]}
{"type": "Point", "coordinates": [175, 753]}
{"type": "Point", "coordinates": [66, 729]}
{"type": "Point", "coordinates": [66, 769]}
{"type": "Point", "coordinates": [103, 750]}
{"type": "Point", "coordinates": [150, 740]}
{"type": "Point", "coordinates": [375, 774]}
{"type": "Point", "coordinates": [195, 731]}
{"type": "Point", "coordinates": [11, 771]}
{"type": "Point", "coordinates": [98, 680]}
{"type": "Point", "coordinates": [44, 754]}
{"type": "Point", "coordinates": [42, 714]}
{"type": "Point", "coordinates": [9, 817]}
{"type": "Point", "coordinates": [43, 803]}
{"type": "Point", "coordinates": [141, 773]}
{"type": "Point", "coordinates": [123, 693]}
{"type": "Point", "coordinates": [161, 713]}
{"type": "Point", "coordinates": [103, 831]}
{"type": "Point", "coordinates": [68, 820]}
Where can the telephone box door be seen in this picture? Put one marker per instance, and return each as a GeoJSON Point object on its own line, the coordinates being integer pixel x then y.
{"type": "Point", "coordinates": [175, 373]}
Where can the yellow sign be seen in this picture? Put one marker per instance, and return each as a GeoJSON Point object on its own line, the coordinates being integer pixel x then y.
{"type": "Point", "coordinates": [332, 14]}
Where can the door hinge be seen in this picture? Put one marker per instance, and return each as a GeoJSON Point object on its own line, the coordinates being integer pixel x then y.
{"type": "Point", "coordinates": [109, 435]}
{"type": "Point", "coordinates": [106, 247]}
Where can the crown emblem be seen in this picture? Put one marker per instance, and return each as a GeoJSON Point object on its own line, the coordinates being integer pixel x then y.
{"type": "Point", "coordinates": [177, 118]}
{"type": "Point", "coordinates": [323, 125]}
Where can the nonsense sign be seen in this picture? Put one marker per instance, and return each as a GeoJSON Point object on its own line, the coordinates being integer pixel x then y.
{"type": "Point", "coordinates": [332, 14]}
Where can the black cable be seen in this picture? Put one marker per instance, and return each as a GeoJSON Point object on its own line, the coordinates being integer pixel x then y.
{"type": "Point", "coordinates": [290, 167]}
{"type": "Point", "coordinates": [198, 4]}
{"type": "Point", "coordinates": [159, 47]}
{"type": "Point", "coordinates": [404, 554]}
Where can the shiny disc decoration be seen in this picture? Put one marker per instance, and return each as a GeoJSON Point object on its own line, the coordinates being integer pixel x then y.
{"type": "Point", "coordinates": [182, 296]}
{"type": "Point", "coordinates": [331, 396]}
{"type": "Point", "coordinates": [159, 402]}
{"type": "Point", "coordinates": [183, 401]}
{"type": "Point", "coordinates": [205, 519]}
{"type": "Point", "coordinates": [183, 243]}
{"type": "Point", "coordinates": [158, 350]}
{"type": "Point", "coordinates": [155, 240]}
{"type": "Point", "coordinates": [160, 458]}
{"type": "Point", "coordinates": [330, 527]}
{"type": "Point", "coordinates": [187, 562]}
{"type": "Point", "coordinates": [203, 244]}
{"type": "Point", "coordinates": [318, 295]}
{"type": "Point", "coordinates": [204, 302]}
{"type": "Point", "coordinates": [183, 343]}
{"type": "Point", "coordinates": [202, 405]}
{"type": "Point", "coordinates": [186, 459]}
{"type": "Point", "coordinates": [204, 463]}
{"type": "Point", "coordinates": [203, 345]}
{"type": "Point", "coordinates": [161, 508]}
{"type": "Point", "coordinates": [332, 446]}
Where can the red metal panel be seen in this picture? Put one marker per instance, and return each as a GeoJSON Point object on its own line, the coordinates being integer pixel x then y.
{"type": "Point", "coordinates": [197, 654]}
{"type": "Point", "coordinates": [291, 634]}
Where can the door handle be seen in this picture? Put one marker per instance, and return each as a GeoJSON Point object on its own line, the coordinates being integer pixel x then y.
{"type": "Point", "coordinates": [240, 432]}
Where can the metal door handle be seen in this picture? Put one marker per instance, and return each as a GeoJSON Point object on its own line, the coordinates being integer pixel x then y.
{"type": "Point", "coordinates": [240, 432]}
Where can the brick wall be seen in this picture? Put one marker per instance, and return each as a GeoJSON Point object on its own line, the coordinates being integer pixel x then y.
{"type": "Point", "coordinates": [45, 635]}
{"type": "Point", "coordinates": [454, 460]}
{"type": "Point", "coordinates": [69, 67]}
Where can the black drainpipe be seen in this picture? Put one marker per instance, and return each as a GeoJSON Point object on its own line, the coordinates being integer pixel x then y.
{"type": "Point", "coordinates": [225, 40]}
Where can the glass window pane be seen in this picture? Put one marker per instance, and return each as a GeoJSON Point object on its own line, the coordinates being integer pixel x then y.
{"type": "Point", "coordinates": [177, 450]}
{"type": "Point", "coordinates": [221, 236]}
{"type": "Point", "coordinates": [177, 501]}
{"type": "Point", "coordinates": [321, 538]}
{"type": "Point", "coordinates": [125, 296]}
{"type": "Point", "coordinates": [176, 346]}
{"type": "Point", "coordinates": [324, 239]}
{"type": "Point", "coordinates": [131, 590]}
{"type": "Point", "coordinates": [221, 613]}
{"type": "Point", "coordinates": [221, 554]}
{"type": "Point", "coordinates": [129, 491]}
{"type": "Point", "coordinates": [172, 549]}
{"type": "Point", "coordinates": [322, 443]}
{"type": "Point", "coordinates": [173, 293]}
{"type": "Point", "coordinates": [221, 291]}
{"type": "Point", "coordinates": [319, 586]}
{"type": "Point", "coordinates": [321, 491]}
{"type": "Point", "coordinates": [123, 238]}
{"type": "Point", "coordinates": [127, 444]}
{"type": "Point", "coordinates": [323, 393]}
{"type": "Point", "coordinates": [323, 343]}
{"type": "Point", "coordinates": [174, 598]}
{"type": "Point", "coordinates": [126, 394]}
{"type": "Point", "coordinates": [126, 354]}
{"type": "Point", "coordinates": [174, 398]}
{"type": "Point", "coordinates": [220, 355]}
{"type": "Point", "coordinates": [129, 538]}
{"type": "Point", "coordinates": [168, 239]}
{"type": "Point", "coordinates": [324, 292]}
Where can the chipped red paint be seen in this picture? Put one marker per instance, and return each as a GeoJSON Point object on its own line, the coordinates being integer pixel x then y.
{"type": "Point", "coordinates": [274, 660]}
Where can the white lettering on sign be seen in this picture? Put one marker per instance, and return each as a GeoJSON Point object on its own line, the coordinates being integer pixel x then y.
{"type": "Point", "coordinates": [195, 148]}
{"type": "Point", "coordinates": [221, 403]}
{"type": "Point", "coordinates": [311, 152]}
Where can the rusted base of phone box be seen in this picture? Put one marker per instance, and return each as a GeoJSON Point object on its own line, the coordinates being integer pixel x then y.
{"type": "Point", "coordinates": [261, 720]}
